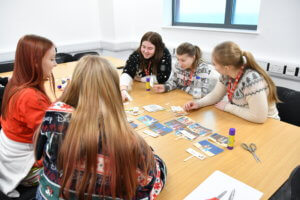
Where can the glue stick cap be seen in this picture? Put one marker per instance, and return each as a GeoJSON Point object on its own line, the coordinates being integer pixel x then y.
{"type": "Point", "coordinates": [232, 131]}
{"type": "Point", "coordinates": [59, 86]}
{"type": "Point", "coordinates": [148, 79]}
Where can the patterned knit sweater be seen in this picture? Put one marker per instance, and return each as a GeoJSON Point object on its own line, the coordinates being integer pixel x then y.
{"type": "Point", "coordinates": [182, 79]}
{"type": "Point", "coordinates": [250, 98]}
{"type": "Point", "coordinates": [52, 132]}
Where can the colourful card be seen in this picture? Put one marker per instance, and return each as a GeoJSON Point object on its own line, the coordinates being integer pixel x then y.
{"type": "Point", "coordinates": [185, 120]}
{"type": "Point", "coordinates": [153, 108]}
{"type": "Point", "coordinates": [187, 134]}
{"type": "Point", "coordinates": [160, 129]}
{"type": "Point", "coordinates": [200, 130]}
{"type": "Point", "coordinates": [133, 125]}
{"type": "Point", "coordinates": [208, 148]}
{"type": "Point", "coordinates": [147, 120]}
{"type": "Point", "coordinates": [219, 139]}
{"type": "Point", "coordinates": [174, 124]}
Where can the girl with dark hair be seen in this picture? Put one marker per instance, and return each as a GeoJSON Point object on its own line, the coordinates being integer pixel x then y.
{"type": "Point", "coordinates": [251, 93]}
{"type": "Point", "coordinates": [189, 66]}
{"type": "Point", "coordinates": [24, 104]}
{"type": "Point", "coordinates": [151, 59]}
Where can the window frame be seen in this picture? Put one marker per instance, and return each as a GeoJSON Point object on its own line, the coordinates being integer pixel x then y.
{"type": "Point", "coordinates": [230, 6]}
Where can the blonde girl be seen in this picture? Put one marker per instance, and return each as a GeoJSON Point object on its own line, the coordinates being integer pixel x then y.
{"type": "Point", "coordinates": [90, 150]}
{"type": "Point", "coordinates": [251, 93]}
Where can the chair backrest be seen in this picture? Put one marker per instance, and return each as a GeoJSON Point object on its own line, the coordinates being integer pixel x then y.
{"type": "Point", "coordinates": [26, 193]}
{"type": "Point", "coordinates": [79, 55]}
{"type": "Point", "coordinates": [289, 109]}
{"type": "Point", "coordinates": [63, 58]}
{"type": "Point", "coordinates": [295, 183]}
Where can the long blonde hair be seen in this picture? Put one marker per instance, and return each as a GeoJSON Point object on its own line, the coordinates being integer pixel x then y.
{"type": "Point", "coordinates": [99, 117]}
{"type": "Point", "coordinates": [229, 53]}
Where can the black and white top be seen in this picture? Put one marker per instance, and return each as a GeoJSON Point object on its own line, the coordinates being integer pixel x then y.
{"type": "Point", "coordinates": [184, 79]}
{"type": "Point", "coordinates": [132, 68]}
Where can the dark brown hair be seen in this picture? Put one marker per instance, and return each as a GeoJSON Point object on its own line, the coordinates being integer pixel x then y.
{"type": "Point", "coordinates": [191, 51]}
{"type": "Point", "coordinates": [155, 39]}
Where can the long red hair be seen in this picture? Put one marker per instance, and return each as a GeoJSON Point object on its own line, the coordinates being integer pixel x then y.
{"type": "Point", "coordinates": [99, 117]}
{"type": "Point", "coordinates": [28, 71]}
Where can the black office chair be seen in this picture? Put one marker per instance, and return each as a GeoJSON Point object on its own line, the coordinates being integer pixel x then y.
{"type": "Point", "coordinates": [7, 66]}
{"type": "Point", "coordinates": [79, 55]}
{"type": "Point", "coordinates": [290, 190]}
{"type": "Point", "coordinates": [26, 193]}
{"type": "Point", "coordinates": [63, 58]}
{"type": "Point", "coordinates": [289, 109]}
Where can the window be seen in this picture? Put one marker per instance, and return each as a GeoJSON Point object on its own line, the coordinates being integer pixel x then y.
{"type": "Point", "coordinates": [234, 14]}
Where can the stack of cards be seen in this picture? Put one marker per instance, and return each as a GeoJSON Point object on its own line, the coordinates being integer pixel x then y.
{"type": "Point", "coordinates": [151, 133]}
{"type": "Point", "coordinates": [174, 124]}
{"type": "Point", "coordinates": [219, 139]}
{"type": "Point", "coordinates": [153, 108]}
{"type": "Point", "coordinates": [147, 120]}
{"type": "Point", "coordinates": [200, 130]}
{"type": "Point", "coordinates": [186, 134]}
{"type": "Point", "coordinates": [133, 111]}
{"type": "Point", "coordinates": [208, 148]}
{"type": "Point", "coordinates": [178, 110]}
{"type": "Point", "coordinates": [185, 120]}
{"type": "Point", "coordinates": [160, 129]}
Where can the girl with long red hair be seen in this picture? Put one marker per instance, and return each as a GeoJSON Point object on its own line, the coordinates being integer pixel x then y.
{"type": "Point", "coordinates": [90, 150]}
{"type": "Point", "coordinates": [23, 108]}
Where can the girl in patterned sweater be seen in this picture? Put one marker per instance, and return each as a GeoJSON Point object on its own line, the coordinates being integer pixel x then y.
{"type": "Point", "coordinates": [251, 93]}
{"type": "Point", "coordinates": [189, 66]}
{"type": "Point", "coordinates": [152, 59]}
{"type": "Point", "coordinates": [90, 150]}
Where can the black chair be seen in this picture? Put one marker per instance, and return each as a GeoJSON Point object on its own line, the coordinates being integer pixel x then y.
{"type": "Point", "coordinates": [63, 58]}
{"type": "Point", "coordinates": [289, 109]}
{"type": "Point", "coordinates": [290, 190]}
{"type": "Point", "coordinates": [7, 66]}
{"type": "Point", "coordinates": [26, 193]}
{"type": "Point", "coordinates": [79, 55]}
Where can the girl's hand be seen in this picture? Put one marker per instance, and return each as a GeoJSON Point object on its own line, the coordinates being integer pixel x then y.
{"type": "Point", "coordinates": [160, 88]}
{"type": "Point", "coordinates": [191, 105]}
{"type": "Point", "coordinates": [221, 105]}
{"type": "Point", "coordinates": [124, 95]}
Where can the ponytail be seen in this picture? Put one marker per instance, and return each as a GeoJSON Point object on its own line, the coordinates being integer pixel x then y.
{"type": "Point", "coordinates": [251, 63]}
{"type": "Point", "coordinates": [191, 51]}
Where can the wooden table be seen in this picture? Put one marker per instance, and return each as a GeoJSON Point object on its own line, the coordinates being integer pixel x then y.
{"type": "Point", "coordinates": [278, 147]}
{"type": "Point", "coordinates": [278, 144]}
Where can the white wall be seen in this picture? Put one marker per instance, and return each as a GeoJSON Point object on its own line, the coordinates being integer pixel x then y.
{"type": "Point", "coordinates": [277, 39]}
{"type": "Point", "coordinates": [116, 25]}
{"type": "Point", "coordinates": [71, 24]}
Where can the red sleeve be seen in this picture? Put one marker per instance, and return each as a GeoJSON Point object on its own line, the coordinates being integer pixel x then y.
{"type": "Point", "coordinates": [32, 106]}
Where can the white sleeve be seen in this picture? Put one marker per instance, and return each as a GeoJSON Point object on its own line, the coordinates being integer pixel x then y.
{"type": "Point", "coordinates": [257, 111]}
{"type": "Point", "coordinates": [126, 80]}
{"type": "Point", "coordinates": [214, 96]}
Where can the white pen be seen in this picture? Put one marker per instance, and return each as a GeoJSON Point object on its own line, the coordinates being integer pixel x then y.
{"type": "Point", "coordinates": [188, 158]}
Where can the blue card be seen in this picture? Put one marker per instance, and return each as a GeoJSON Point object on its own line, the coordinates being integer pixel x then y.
{"type": "Point", "coordinates": [160, 129]}
{"type": "Point", "coordinates": [208, 148]}
{"type": "Point", "coordinates": [200, 130]}
{"type": "Point", "coordinates": [174, 124]}
{"type": "Point", "coordinates": [133, 125]}
{"type": "Point", "coordinates": [147, 120]}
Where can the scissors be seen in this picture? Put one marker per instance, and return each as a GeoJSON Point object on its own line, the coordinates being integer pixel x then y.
{"type": "Point", "coordinates": [251, 148]}
{"type": "Point", "coordinates": [222, 194]}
